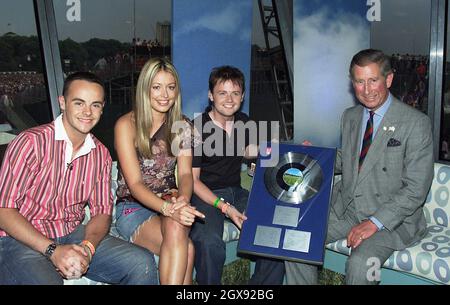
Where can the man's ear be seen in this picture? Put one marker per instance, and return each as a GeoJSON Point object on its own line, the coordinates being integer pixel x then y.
{"type": "Point", "coordinates": [389, 79]}
{"type": "Point", "coordinates": [62, 103]}
{"type": "Point", "coordinates": [210, 96]}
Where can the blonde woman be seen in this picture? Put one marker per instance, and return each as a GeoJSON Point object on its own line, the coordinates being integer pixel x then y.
{"type": "Point", "coordinates": [151, 212]}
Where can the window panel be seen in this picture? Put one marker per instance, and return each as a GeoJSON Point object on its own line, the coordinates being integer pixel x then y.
{"type": "Point", "coordinates": [23, 90]}
{"type": "Point", "coordinates": [114, 39]}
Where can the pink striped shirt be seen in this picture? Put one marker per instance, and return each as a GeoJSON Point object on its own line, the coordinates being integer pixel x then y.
{"type": "Point", "coordinates": [35, 180]}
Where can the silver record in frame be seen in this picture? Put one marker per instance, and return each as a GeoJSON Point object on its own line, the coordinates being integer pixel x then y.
{"type": "Point", "coordinates": [296, 178]}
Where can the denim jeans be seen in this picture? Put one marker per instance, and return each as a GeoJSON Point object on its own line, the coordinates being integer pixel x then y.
{"type": "Point", "coordinates": [115, 262]}
{"type": "Point", "coordinates": [129, 216]}
{"type": "Point", "coordinates": [210, 248]}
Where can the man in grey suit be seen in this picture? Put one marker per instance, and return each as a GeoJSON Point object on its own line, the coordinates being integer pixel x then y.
{"type": "Point", "coordinates": [386, 161]}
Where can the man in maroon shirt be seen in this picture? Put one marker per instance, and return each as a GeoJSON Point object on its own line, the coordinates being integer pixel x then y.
{"type": "Point", "coordinates": [49, 174]}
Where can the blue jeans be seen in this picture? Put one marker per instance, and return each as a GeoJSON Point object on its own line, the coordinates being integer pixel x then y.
{"type": "Point", "coordinates": [115, 262]}
{"type": "Point", "coordinates": [129, 216]}
{"type": "Point", "coordinates": [210, 248]}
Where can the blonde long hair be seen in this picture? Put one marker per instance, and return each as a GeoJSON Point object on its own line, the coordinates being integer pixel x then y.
{"type": "Point", "coordinates": [142, 108]}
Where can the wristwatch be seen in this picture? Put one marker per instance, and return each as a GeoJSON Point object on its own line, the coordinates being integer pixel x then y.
{"type": "Point", "coordinates": [49, 251]}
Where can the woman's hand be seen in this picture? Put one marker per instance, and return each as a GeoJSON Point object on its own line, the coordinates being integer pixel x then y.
{"type": "Point", "coordinates": [185, 214]}
{"type": "Point", "coordinates": [182, 211]}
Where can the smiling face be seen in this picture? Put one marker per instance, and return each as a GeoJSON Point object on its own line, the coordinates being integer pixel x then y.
{"type": "Point", "coordinates": [163, 92]}
{"type": "Point", "coordinates": [82, 108]}
{"type": "Point", "coordinates": [227, 98]}
{"type": "Point", "coordinates": [371, 87]}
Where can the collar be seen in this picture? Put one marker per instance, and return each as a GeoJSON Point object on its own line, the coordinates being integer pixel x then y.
{"type": "Point", "coordinates": [61, 135]}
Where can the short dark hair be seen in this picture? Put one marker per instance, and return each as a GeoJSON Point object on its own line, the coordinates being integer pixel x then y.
{"type": "Point", "coordinates": [225, 73]}
{"type": "Point", "coordinates": [81, 75]}
{"type": "Point", "coordinates": [369, 56]}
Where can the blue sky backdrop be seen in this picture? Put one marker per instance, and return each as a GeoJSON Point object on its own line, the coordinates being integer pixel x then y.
{"type": "Point", "coordinates": [326, 36]}
{"type": "Point", "coordinates": [208, 34]}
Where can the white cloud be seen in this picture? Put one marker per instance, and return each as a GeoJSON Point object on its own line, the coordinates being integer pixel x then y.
{"type": "Point", "coordinates": [323, 49]}
{"type": "Point", "coordinates": [227, 21]}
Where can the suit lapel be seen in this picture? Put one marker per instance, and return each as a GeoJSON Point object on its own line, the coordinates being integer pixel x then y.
{"type": "Point", "coordinates": [379, 143]}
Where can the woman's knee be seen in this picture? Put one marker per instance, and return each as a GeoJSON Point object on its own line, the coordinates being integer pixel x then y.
{"type": "Point", "coordinates": [173, 230]}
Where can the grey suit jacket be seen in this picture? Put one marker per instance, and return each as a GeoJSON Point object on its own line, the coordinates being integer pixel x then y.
{"type": "Point", "coordinates": [396, 175]}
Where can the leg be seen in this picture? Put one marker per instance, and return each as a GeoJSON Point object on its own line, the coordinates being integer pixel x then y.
{"type": "Point", "coordinates": [364, 263]}
{"type": "Point", "coordinates": [119, 262]}
{"type": "Point", "coordinates": [207, 238]}
{"type": "Point", "coordinates": [22, 265]}
{"type": "Point", "coordinates": [173, 259]}
{"type": "Point", "coordinates": [162, 236]}
{"type": "Point", "coordinates": [190, 265]}
{"type": "Point", "coordinates": [307, 274]}
{"type": "Point", "coordinates": [267, 271]}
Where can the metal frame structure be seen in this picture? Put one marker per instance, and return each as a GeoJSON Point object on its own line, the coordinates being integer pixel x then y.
{"type": "Point", "coordinates": [277, 22]}
{"type": "Point", "coordinates": [436, 69]}
{"type": "Point", "coordinates": [48, 37]}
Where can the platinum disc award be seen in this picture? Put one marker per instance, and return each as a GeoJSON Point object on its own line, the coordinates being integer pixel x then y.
{"type": "Point", "coordinates": [296, 178]}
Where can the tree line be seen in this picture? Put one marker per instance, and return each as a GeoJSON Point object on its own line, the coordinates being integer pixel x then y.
{"type": "Point", "coordinates": [23, 53]}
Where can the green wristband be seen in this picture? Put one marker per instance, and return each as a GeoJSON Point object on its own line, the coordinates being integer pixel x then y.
{"type": "Point", "coordinates": [216, 202]}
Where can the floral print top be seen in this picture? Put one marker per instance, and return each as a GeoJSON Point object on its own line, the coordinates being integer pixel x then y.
{"type": "Point", "coordinates": [158, 173]}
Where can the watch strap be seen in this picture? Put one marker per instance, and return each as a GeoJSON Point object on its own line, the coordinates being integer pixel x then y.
{"type": "Point", "coordinates": [50, 250]}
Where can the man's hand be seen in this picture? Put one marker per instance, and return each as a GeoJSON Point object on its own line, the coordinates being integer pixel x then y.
{"type": "Point", "coordinates": [70, 261]}
{"type": "Point", "coordinates": [237, 217]}
{"type": "Point", "coordinates": [361, 232]}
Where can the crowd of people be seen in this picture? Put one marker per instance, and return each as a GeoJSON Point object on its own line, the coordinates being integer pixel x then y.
{"type": "Point", "coordinates": [411, 79]}
{"type": "Point", "coordinates": [12, 83]}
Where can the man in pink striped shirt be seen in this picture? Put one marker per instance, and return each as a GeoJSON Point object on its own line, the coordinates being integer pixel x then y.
{"type": "Point", "coordinates": [49, 174]}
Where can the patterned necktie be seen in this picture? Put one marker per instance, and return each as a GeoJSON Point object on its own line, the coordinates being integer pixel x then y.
{"type": "Point", "coordinates": [367, 140]}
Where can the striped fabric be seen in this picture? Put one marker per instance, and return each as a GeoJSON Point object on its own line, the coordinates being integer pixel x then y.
{"type": "Point", "coordinates": [367, 139]}
{"type": "Point", "coordinates": [35, 180]}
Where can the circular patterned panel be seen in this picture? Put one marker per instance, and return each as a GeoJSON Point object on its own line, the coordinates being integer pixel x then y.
{"type": "Point", "coordinates": [424, 262]}
{"type": "Point", "coordinates": [441, 239]}
{"type": "Point", "coordinates": [440, 217]}
{"type": "Point", "coordinates": [429, 246]}
{"type": "Point", "coordinates": [441, 270]}
{"type": "Point", "coordinates": [435, 229]}
{"type": "Point", "coordinates": [443, 175]}
{"type": "Point", "coordinates": [404, 260]}
{"type": "Point", "coordinates": [443, 252]}
{"type": "Point", "coordinates": [441, 196]}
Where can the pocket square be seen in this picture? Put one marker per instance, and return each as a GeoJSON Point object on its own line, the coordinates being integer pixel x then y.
{"type": "Point", "coordinates": [393, 142]}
